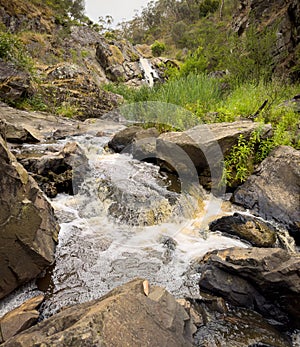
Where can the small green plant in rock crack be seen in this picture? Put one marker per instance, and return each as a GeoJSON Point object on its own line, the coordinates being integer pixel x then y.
{"type": "Point", "coordinates": [239, 164]}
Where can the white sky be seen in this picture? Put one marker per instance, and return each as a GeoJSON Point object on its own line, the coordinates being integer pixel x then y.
{"type": "Point", "coordinates": [119, 9]}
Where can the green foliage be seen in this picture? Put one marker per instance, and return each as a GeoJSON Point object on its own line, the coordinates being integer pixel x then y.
{"type": "Point", "coordinates": [158, 48]}
{"type": "Point", "coordinates": [66, 110]}
{"type": "Point", "coordinates": [12, 49]}
{"type": "Point", "coordinates": [33, 103]}
{"type": "Point", "coordinates": [240, 162]}
{"type": "Point", "coordinates": [191, 92]}
{"type": "Point", "coordinates": [208, 6]}
{"type": "Point", "coordinates": [250, 56]}
{"type": "Point", "coordinates": [195, 63]}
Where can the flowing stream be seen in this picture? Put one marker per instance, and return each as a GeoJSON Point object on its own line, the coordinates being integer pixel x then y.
{"type": "Point", "coordinates": [96, 252]}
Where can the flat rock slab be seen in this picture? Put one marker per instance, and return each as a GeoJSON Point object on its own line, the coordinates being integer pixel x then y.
{"type": "Point", "coordinates": [134, 314]}
{"type": "Point", "coordinates": [44, 126]}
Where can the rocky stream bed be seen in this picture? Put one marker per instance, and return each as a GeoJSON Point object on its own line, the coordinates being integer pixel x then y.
{"type": "Point", "coordinates": [144, 259]}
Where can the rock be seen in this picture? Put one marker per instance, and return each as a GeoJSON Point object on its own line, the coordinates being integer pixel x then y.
{"type": "Point", "coordinates": [15, 84]}
{"type": "Point", "coordinates": [264, 279]}
{"type": "Point", "coordinates": [201, 142]}
{"type": "Point", "coordinates": [124, 138]}
{"type": "Point", "coordinates": [15, 16]}
{"type": "Point", "coordinates": [273, 191]}
{"type": "Point", "coordinates": [70, 86]}
{"type": "Point", "coordinates": [58, 172]}
{"type": "Point", "coordinates": [143, 200]}
{"type": "Point", "coordinates": [128, 136]}
{"type": "Point", "coordinates": [120, 60]}
{"type": "Point", "coordinates": [21, 318]}
{"type": "Point", "coordinates": [16, 133]}
{"type": "Point", "coordinates": [41, 125]}
{"type": "Point", "coordinates": [46, 126]}
{"type": "Point", "coordinates": [123, 317]}
{"type": "Point", "coordinates": [202, 149]}
{"type": "Point", "coordinates": [28, 226]}
{"type": "Point", "coordinates": [253, 230]}
{"type": "Point", "coordinates": [224, 325]}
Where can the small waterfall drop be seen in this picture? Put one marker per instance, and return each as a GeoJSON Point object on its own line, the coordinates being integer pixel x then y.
{"type": "Point", "coordinates": [150, 73]}
{"type": "Point", "coordinates": [96, 253]}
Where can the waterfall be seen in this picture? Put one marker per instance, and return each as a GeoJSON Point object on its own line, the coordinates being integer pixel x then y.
{"type": "Point", "coordinates": [150, 73]}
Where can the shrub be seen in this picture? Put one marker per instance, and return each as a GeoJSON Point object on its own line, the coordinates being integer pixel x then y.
{"type": "Point", "coordinates": [158, 48]}
{"type": "Point", "coordinates": [12, 49]}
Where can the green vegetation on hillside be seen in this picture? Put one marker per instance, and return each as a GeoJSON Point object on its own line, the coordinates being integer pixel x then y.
{"type": "Point", "coordinates": [222, 76]}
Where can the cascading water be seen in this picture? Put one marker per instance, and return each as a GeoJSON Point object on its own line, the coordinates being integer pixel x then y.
{"type": "Point", "coordinates": [97, 253]}
{"type": "Point", "coordinates": [98, 250]}
{"type": "Point", "coordinates": [150, 73]}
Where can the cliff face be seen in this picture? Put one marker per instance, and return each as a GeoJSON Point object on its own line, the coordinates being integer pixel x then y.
{"type": "Point", "coordinates": [285, 16]}
{"type": "Point", "coordinates": [19, 15]}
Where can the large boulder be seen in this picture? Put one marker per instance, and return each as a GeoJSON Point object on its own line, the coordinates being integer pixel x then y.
{"type": "Point", "coordinates": [120, 61]}
{"type": "Point", "coordinates": [264, 279]}
{"type": "Point", "coordinates": [254, 230]}
{"type": "Point", "coordinates": [56, 172]}
{"type": "Point", "coordinates": [131, 315]}
{"type": "Point", "coordinates": [16, 125]}
{"type": "Point", "coordinates": [273, 191]}
{"type": "Point", "coordinates": [15, 133]}
{"type": "Point", "coordinates": [28, 226]}
{"type": "Point", "coordinates": [206, 143]}
{"type": "Point", "coordinates": [125, 139]}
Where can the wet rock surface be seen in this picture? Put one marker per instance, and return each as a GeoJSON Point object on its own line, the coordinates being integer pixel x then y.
{"type": "Point", "coordinates": [20, 319]}
{"type": "Point", "coordinates": [264, 279]}
{"type": "Point", "coordinates": [273, 191]}
{"type": "Point", "coordinates": [253, 230]}
{"type": "Point", "coordinates": [130, 140]}
{"type": "Point", "coordinates": [56, 172]}
{"type": "Point", "coordinates": [125, 316]}
{"type": "Point", "coordinates": [14, 133]}
{"type": "Point", "coordinates": [135, 193]}
{"type": "Point", "coordinates": [220, 324]}
{"type": "Point", "coordinates": [28, 226]}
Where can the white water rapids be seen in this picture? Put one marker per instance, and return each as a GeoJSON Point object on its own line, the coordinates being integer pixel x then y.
{"type": "Point", "coordinates": [96, 254]}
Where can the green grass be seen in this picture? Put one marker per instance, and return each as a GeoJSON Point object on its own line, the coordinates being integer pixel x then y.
{"type": "Point", "coordinates": [205, 100]}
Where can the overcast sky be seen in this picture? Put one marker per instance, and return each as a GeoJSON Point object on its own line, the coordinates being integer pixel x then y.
{"type": "Point", "coordinates": [119, 9]}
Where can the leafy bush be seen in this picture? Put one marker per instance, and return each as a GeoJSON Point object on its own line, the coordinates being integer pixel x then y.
{"type": "Point", "coordinates": [158, 48]}
{"type": "Point", "coordinates": [12, 49]}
